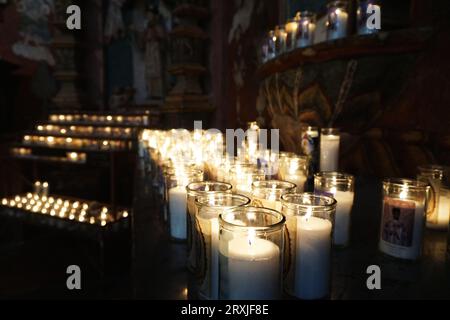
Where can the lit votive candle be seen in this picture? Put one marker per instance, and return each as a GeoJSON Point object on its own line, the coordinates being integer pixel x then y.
{"type": "Point", "coordinates": [177, 197]}
{"type": "Point", "coordinates": [365, 9]}
{"type": "Point", "coordinates": [309, 221]}
{"type": "Point", "coordinates": [337, 20]}
{"type": "Point", "coordinates": [243, 175]}
{"type": "Point", "coordinates": [196, 189]}
{"type": "Point", "coordinates": [340, 186]}
{"type": "Point", "coordinates": [439, 205]}
{"type": "Point", "coordinates": [268, 193]}
{"type": "Point", "coordinates": [329, 149]}
{"type": "Point", "coordinates": [294, 169]}
{"type": "Point", "coordinates": [251, 254]}
{"type": "Point", "coordinates": [306, 28]}
{"type": "Point", "coordinates": [209, 208]}
{"type": "Point", "coordinates": [403, 218]}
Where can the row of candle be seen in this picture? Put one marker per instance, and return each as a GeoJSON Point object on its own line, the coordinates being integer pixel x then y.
{"type": "Point", "coordinates": [300, 31]}
{"type": "Point", "coordinates": [96, 144]}
{"type": "Point", "coordinates": [184, 188]}
{"type": "Point", "coordinates": [100, 119]}
{"type": "Point", "coordinates": [233, 245]}
{"type": "Point", "coordinates": [234, 251]}
{"type": "Point", "coordinates": [207, 150]}
{"type": "Point", "coordinates": [86, 130]}
{"type": "Point", "coordinates": [78, 157]}
{"type": "Point", "coordinates": [62, 208]}
{"type": "Point", "coordinates": [242, 171]}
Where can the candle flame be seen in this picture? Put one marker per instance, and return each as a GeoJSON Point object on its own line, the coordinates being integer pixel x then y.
{"type": "Point", "coordinates": [404, 192]}
{"type": "Point", "coordinates": [333, 190]}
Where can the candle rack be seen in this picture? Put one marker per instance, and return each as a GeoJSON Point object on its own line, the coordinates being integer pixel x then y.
{"type": "Point", "coordinates": [62, 211]}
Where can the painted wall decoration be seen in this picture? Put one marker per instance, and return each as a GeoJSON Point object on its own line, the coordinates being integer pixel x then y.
{"type": "Point", "coordinates": [34, 30]}
{"type": "Point", "coordinates": [136, 32]}
{"type": "Point", "coordinates": [387, 105]}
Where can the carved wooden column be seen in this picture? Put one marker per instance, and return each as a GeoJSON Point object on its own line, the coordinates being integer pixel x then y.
{"type": "Point", "coordinates": [65, 48]}
{"type": "Point", "coordinates": [189, 58]}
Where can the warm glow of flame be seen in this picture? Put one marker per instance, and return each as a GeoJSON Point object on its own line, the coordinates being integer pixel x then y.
{"type": "Point", "coordinates": [404, 193]}
{"type": "Point", "coordinates": [309, 213]}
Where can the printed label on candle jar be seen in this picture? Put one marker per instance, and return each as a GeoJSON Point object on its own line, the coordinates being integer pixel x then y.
{"type": "Point", "coordinates": [398, 222]}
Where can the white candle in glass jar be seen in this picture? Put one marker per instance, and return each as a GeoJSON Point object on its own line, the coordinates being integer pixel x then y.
{"type": "Point", "coordinates": [402, 224]}
{"type": "Point", "coordinates": [339, 20]}
{"type": "Point", "coordinates": [312, 259]}
{"type": "Point", "coordinates": [443, 212]}
{"type": "Point", "coordinates": [298, 179]}
{"type": "Point", "coordinates": [341, 233]}
{"type": "Point", "coordinates": [253, 269]}
{"type": "Point", "coordinates": [308, 28]}
{"type": "Point", "coordinates": [270, 203]}
{"type": "Point", "coordinates": [329, 152]}
{"type": "Point", "coordinates": [177, 212]}
{"type": "Point", "coordinates": [209, 225]}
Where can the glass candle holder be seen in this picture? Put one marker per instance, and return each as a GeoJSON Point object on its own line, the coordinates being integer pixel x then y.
{"type": "Point", "coordinates": [271, 46]}
{"type": "Point", "coordinates": [268, 193]}
{"type": "Point", "coordinates": [177, 200]}
{"type": "Point", "coordinates": [209, 207]}
{"type": "Point", "coordinates": [362, 16]}
{"type": "Point", "coordinates": [291, 33]}
{"type": "Point", "coordinates": [340, 186]}
{"type": "Point", "coordinates": [243, 175]}
{"type": "Point", "coordinates": [194, 190]}
{"type": "Point", "coordinates": [305, 29]}
{"type": "Point", "coordinates": [310, 147]}
{"type": "Point", "coordinates": [168, 170]}
{"type": "Point", "coordinates": [338, 17]}
{"type": "Point", "coordinates": [294, 169]}
{"type": "Point", "coordinates": [250, 254]}
{"type": "Point", "coordinates": [280, 40]}
{"type": "Point", "coordinates": [439, 205]}
{"type": "Point", "coordinates": [403, 218]}
{"type": "Point", "coordinates": [309, 222]}
{"type": "Point", "coordinates": [329, 149]}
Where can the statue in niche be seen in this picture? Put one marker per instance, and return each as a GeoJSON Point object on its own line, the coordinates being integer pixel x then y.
{"type": "Point", "coordinates": [154, 60]}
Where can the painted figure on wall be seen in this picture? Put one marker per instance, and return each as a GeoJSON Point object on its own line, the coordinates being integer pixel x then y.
{"type": "Point", "coordinates": [114, 26]}
{"type": "Point", "coordinates": [137, 30]}
{"type": "Point", "coordinates": [154, 60]}
{"type": "Point", "coordinates": [34, 30]}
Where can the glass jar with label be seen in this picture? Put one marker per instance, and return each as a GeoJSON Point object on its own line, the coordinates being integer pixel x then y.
{"type": "Point", "coordinates": [403, 214]}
